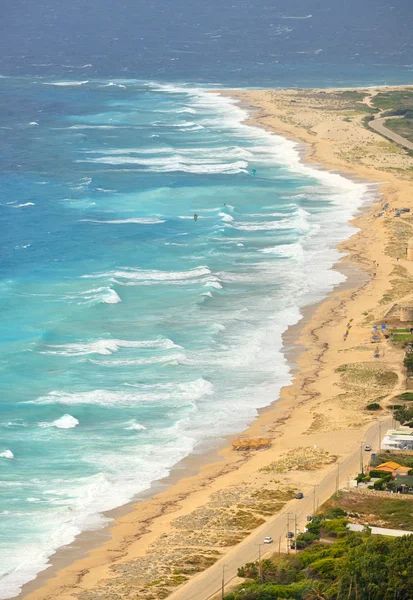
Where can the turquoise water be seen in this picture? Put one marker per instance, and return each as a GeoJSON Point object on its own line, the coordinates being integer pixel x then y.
{"type": "Point", "coordinates": [131, 333]}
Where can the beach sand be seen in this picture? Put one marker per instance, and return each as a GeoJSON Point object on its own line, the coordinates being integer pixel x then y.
{"type": "Point", "coordinates": [162, 541]}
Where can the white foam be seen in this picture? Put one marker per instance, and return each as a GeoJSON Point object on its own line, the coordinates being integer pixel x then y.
{"type": "Point", "coordinates": [178, 358]}
{"type": "Point", "coordinates": [66, 83]}
{"type": "Point", "coordinates": [175, 394]}
{"type": "Point", "coordinates": [102, 295]}
{"type": "Point", "coordinates": [112, 84]}
{"type": "Point", "coordinates": [214, 284]}
{"type": "Point", "coordinates": [65, 422]}
{"type": "Point", "coordinates": [33, 123]}
{"type": "Point", "coordinates": [142, 221]}
{"type": "Point", "coordinates": [107, 346]}
{"type": "Point", "coordinates": [133, 425]}
{"type": "Point", "coordinates": [23, 205]}
{"type": "Point", "coordinates": [226, 218]}
{"type": "Point", "coordinates": [152, 276]}
{"type": "Point", "coordinates": [7, 454]}
{"type": "Point", "coordinates": [174, 163]}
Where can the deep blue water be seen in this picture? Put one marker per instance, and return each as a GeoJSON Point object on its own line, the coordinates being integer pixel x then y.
{"type": "Point", "coordinates": [130, 333]}
{"type": "Point", "coordinates": [235, 42]}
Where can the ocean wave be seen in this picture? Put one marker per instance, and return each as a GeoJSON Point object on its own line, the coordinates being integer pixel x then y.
{"type": "Point", "coordinates": [107, 346]}
{"type": "Point", "coordinates": [142, 275]}
{"type": "Point", "coordinates": [152, 360]}
{"type": "Point", "coordinates": [133, 425]}
{"type": "Point", "coordinates": [141, 221]}
{"type": "Point", "coordinates": [101, 295]}
{"type": "Point", "coordinates": [66, 83]}
{"type": "Point", "coordinates": [65, 422]}
{"type": "Point", "coordinates": [225, 152]}
{"type": "Point", "coordinates": [171, 393]}
{"type": "Point", "coordinates": [6, 454]}
{"type": "Point", "coordinates": [213, 283]}
{"type": "Point", "coordinates": [175, 163]}
{"type": "Point", "coordinates": [23, 205]}
{"type": "Point", "coordinates": [294, 251]}
{"type": "Point", "coordinates": [226, 218]}
{"type": "Point", "coordinates": [112, 84]}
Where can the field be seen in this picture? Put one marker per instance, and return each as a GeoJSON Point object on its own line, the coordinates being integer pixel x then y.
{"type": "Point", "coordinates": [373, 510]}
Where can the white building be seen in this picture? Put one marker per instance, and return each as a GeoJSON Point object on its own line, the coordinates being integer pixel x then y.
{"type": "Point", "coordinates": [398, 439]}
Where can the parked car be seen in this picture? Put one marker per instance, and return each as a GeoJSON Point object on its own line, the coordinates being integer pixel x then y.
{"type": "Point", "coordinates": [268, 540]}
{"type": "Point", "coordinates": [367, 448]}
{"type": "Point", "coordinates": [299, 496]}
{"type": "Point", "coordinates": [290, 534]}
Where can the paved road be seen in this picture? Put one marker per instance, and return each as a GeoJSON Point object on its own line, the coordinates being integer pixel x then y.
{"type": "Point", "coordinates": [207, 583]}
{"type": "Point", "coordinates": [380, 530]}
{"type": "Point", "coordinates": [379, 126]}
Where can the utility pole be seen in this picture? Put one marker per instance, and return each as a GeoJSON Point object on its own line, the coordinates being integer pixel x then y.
{"type": "Point", "coordinates": [314, 499]}
{"type": "Point", "coordinates": [338, 478]}
{"type": "Point", "coordinates": [361, 458]}
{"type": "Point", "coordinates": [223, 582]}
{"type": "Point", "coordinates": [260, 564]}
{"type": "Point", "coordinates": [288, 531]}
{"type": "Point", "coordinates": [295, 533]}
{"type": "Point", "coordinates": [379, 437]}
{"type": "Point", "coordinates": [279, 545]}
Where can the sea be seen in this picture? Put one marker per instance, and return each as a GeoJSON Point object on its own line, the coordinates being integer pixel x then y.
{"type": "Point", "coordinates": [154, 247]}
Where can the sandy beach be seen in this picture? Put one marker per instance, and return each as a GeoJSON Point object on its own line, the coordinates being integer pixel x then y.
{"type": "Point", "coordinates": [160, 543]}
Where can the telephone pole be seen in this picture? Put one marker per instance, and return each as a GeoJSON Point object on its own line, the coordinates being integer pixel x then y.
{"type": "Point", "coordinates": [361, 458]}
{"type": "Point", "coordinates": [223, 582]}
{"type": "Point", "coordinates": [260, 564]}
{"type": "Point", "coordinates": [295, 534]}
{"type": "Point", "coordinates": [288, 531]}
{"type": "Point", "coordinates": [338, 478]}
{"type": "Point", "coordinates": [314, 488]}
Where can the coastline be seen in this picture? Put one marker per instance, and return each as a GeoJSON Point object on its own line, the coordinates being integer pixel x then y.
{"type": "Point", "coordinates": [141, 525]}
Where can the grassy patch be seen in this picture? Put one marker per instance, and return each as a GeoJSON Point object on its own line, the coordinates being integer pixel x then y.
{"type": "Point", "coordinates": [301, 459]}
{"type": "Point", "coordinates": [394, 102]}
{"type": "Point", "coordinates": [374, 510]}
{"type": "Point", "coordinates": [367, 375]}
{"type": "Point", "coordinates": [402, 126]}
{"type": "Point", "coordinates": [405, 397]}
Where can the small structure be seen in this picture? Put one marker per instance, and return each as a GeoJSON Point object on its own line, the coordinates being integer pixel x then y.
{"type": "Point", "coordinates": [398, 315]}
{"type": "Point", "coordinates": [394, 468]}
{"type": "Point", "coordinates": [398, 439]}
{"type": "Point", "coordinates": [406, 314]}
{"type": "Point", "coordinates": [251, 444]}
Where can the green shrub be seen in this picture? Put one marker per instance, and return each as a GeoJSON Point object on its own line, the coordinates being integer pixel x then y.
{"type": "Point", "coordinates": [335, 527]}
{"type": "Point", "coordinates": [374, 473]}
{"type": "Point", "coordinates": [373, 406]}
{"type": "Point", "coordinates": [306, 539]}
{"type": "Point", "coordinates": [324, 568]}
{"type": "Point", "coordinates": [335, 512]}
{"type": "Point", "coordinates": [406, 397]}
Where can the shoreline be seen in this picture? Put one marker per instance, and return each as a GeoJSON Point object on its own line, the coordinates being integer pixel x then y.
{"type": "Point", "coordinates": [193, 464]}
{"type": "Point", "coordinates": [67, 579]}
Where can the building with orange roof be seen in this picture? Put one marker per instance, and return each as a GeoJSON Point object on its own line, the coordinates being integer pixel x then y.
{"type": "Point", "coordinates": [394, 468]}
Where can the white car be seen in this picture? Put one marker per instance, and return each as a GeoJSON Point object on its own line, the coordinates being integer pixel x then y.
{"type": "Point", "coordinates": [268, 540]}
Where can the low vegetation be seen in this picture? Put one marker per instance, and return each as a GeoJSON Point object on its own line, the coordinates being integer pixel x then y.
{"type": "Point", "coordinates": [356, 566]}
{"type": "Point", "coordinates": [395, 102]}
{"type": "Point", "coordinates": [301, 459]}
{"type": "Point", "coordinates": [335, 564]}
{"type": "Point", "coordinates": [395, 513]}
